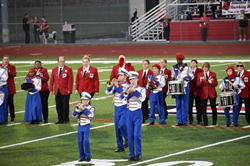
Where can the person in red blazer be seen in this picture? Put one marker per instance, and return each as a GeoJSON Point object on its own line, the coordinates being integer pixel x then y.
{"type": "Point", "coordinates": [194, 93]}
{"type": "Point", "coordinates": [245, 93]}
{"type": "Point", "coordinates": [11, 86]}
{"type": "Point", "coordinates": [167, 74]}
{"type": "Point", "coordinates": [142, 81]}
{"type": "Point", "coordinates": [122, 63]}
{"type": "Point", "coordinates": [87, 78]}
{"type": "Point", "coordinates": [207, 82]}
{"type": "Point", "coordinates": [42, 73]}
{"type": "Point", "coordinates": [61, 84]}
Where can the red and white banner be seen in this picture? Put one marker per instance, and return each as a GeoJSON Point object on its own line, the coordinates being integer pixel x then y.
{"type": "Point", "coordinates": [229, 8]}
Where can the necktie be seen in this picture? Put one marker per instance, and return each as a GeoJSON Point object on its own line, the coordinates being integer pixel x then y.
{"type": "Point", "coordinates": [84, 73]}
{"type": "Point", "coordinates": [60, 71]}
{"type": "Point", "coordinates": [206, 77]}
{"type": "Point", "coordinates": [144, 76]}
{"type": "Point", "coordinates": [161, 71]}
{"type": "Point", "coordinates": [239, 74]}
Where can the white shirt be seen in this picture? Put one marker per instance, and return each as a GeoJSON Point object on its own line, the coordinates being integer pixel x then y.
{"type": "Point", "coordinates": [3, 76]}
{"type": "Point", "coordinates": [134, 102]}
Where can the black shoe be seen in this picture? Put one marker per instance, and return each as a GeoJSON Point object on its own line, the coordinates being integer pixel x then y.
{"type": "Point", "coordinates": [138, 157]}
{"type": "Point", "coordinates": [37, 122]}
{"type": "Point", "coordinates": [80, 160]}
{"type": "Point", "coordinates": [58, 122]}
{"type": "Point", "coordinates": [88, 159]}
{"type": "Point", "coordinates": [199, 122]}
{"type": "Point", "coordinates": [190, 122]}
{"type": "Point", "coordinates": [12, 120]}
{"type": "Point", "coordinates": [184, 124]}
{"type": "Point", "coordinates": [236, 125]}
{"type": "Point", "coordinates": [162, 123]}
{"type": "Point", "coordinates": [66, 122]}
{"type": "Point", "coordinates": [131, 159]}
{"type": "Point", "coordinates": [125, 144]}
{"type": "Point", "coordinates": [205, 124]}
{"type": "Point", "coordinates": [119, 150]}
{"type": "Point", "coordinates": [46, 121]}
{"type": "Point", "coordinates": [227, 125]}
{"type": "Point", "coordinates": [151, 123]}
{"type": "Point", "coordinates": [178, 124]}
{"type": "Point", "coordinates": [143, 121]}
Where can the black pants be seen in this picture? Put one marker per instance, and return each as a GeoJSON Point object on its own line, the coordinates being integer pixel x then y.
{"type": "Point", "coordinates": [27, 36]}
{"type": "Point", "coordinates": [44, 97]}
{"type": "Point", "coordinates": [197, 99]}
{"type": "Point", "coordinates": [247, 108]}
{"type": "Point", "coordinates": [204, 34]}
{"type": "Point", "coordinates": [10, 104]}
{"type": "Point", "coordinates": [62, 107]}
{"type": "Point", "coordinates": [204, 110]}
{"type": "Point", "coordinates": [166, 33]}
{"type": "Point", "coordinates": [165, 105]}
{"type": "Point", "coordinates": [144, 109]}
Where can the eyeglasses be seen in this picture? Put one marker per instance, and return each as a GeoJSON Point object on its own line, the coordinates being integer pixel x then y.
{"type": "Point", "coordinates": [239, 65]}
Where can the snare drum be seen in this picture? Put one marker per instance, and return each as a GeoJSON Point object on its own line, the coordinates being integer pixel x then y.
{"type": "Point", "coordinates": [227, 99]}
{"type": "Point", "coordinates": [176, 88]}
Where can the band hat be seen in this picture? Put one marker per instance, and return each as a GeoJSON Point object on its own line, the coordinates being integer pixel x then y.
{"type": "Point", "coordinates": [122, 71]}
{"type": "Point", "coordinates": [230, 67]}
{"type": "Point", "coordinates": [157, 66]}
{"type": "Point", "coordinates": [180, 56]}
{"type": "Point", "coordinates": [133, 74]}
{"type": "Point", "coordinates": [85, 95]}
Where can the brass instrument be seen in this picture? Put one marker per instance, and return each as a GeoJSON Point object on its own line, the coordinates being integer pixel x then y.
{"type": "Point", "coordinates": [111, 83]}
{"type": "Point", "coordinates": [152, 85]}
{"type": "Point", "coordinates": [127, 89]}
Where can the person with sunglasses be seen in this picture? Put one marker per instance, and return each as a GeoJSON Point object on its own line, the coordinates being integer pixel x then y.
{"type": "Point", "coordinates": [245, 93]}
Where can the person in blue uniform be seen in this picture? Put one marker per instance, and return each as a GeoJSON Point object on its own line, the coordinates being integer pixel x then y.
{"type": "Point", "coordinates": [156, 82]}
{"type": "Point", "coordinates": [120, 108]}
{"type": "Point", "coordinates": [181, 72]}
{"type": "Point", "coordinates": [232, 83]}
{"type": "Point", "coordinates": [3, 95]}
{"type": "Point", "coordinates": [135, 95]}
{"type": "Point", "coordinates": [84, 112]}
{"type": "Point", "coordinates": [33, 107]}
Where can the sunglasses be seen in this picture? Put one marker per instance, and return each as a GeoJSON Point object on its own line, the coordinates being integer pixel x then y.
{"type": "Point", "coordinates": [239, 65]}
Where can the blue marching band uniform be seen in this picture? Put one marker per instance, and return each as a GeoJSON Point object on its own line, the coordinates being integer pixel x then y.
{"type": "Point", "coordinates": [33, 107]}
{"type": "Point", "coordinates": [3, 95]}
{"type": "Point", "coordinates": [227, 86]}
{"type": "Point", "coordinates": [182, 101]}
{"type": "Point", "coordinates": [134, 117]}
{"type": "Point", "coordinates": [120, 111]}
{"type": "Point", "coordinates": [84, 119]}
{"type": "Point", "coordinates": [156, 98]}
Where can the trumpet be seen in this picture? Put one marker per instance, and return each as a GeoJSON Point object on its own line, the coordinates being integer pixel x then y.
{"type": "Point", "coordinates": [152, 85]}
{"type": "Point", "coordinates": [111, 83]}
{"type": "Point", "coordinates": [127, 89]}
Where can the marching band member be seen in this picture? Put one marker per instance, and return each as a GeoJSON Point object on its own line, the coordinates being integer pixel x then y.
{"type": "Point", "coordinates": [87, 78]}
{"type": "Point", "coordinates": [122, 63]}
{"type": "Point", "coordinates": [85, 113]}
{"type": "Point", "coordinates": [167, 74]}
{"type": "Point", "coordinates": [142, 81]}
{"type": "Point", "coordinates": [194, 93]}
{"type": "Point", "coordinates": [245, 93]}
{"type": "Point", "coordinates": [155, 84]}
{"type": "Point", "coordinates": [181, 72]}
{"type": "Point", "coordinates": [207, 82]}
{"type": "Point", "coordinates": [136, 95]}
{"type": "Point", "coordinates": [33, 107]}
{"type": "Point", "coordinates": [120, 108]}
{"type": "Point", "coordinates": [11, 69]}
{"type": "Point", "coordinates": [232, 83]}
{"type": "Point", "coordinates": [3, 95]}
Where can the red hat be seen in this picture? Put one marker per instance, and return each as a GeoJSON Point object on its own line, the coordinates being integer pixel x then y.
{"type": "Point", "coordinates": [233, 72]}
{"type": "Point", "coordinates": [157, 66]}
{"type": "Point", "coordinates": [180, 56]}
{"type": "Point", "coordinates": [230, 67]}
{"type": "Point", "coordinates": [32, 70]}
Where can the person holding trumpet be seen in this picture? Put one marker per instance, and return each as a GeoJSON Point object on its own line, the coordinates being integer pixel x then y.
{"type": "Point", "coordinates": [116, 87]}
{"type": "Point", "coordinates": [85, 113]}
{"type": "Point", "coordinates": [232, 83]}
{"type": "Point", "coordinates": [135, 96]}
{"type": "Point", "coordinates": [156, 82]}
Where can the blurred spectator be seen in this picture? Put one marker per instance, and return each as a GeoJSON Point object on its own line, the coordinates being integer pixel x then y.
{"type": "Point", "coordinates": [166, 27]}
{"type": "Point", "coordinates": [204, 22]}
{"type": "Point", "coordinates": [45, 27]}
{"type": "Point", "coordinates": [243, 26]}
{"type": "Point", "coordinates": [189, 16]}
{"type": "Point", "coordinates": [134, 18]}
{"type": "Point", "coordinates": [26, 27]}
{"type": "Point", "coordinates": [36, 29]}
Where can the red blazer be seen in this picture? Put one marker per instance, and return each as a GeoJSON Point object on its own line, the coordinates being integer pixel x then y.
{"type": "Point", "coordinates": [193, 83]}
{"type": "Point", "coordinates": [144, 84]}
{"type": "Point", "coordinates": [166, 72]}
{"type": "Point", "coordinates": [114, 72]}
{"type": "Point", "coordinates": [90, 82]}
{"type": "Point", "coordinates": [207, 89]}
{"type": "Point", "coordinates": [65, 82]}
{"type": "Point", "coordinates": [44, 75]}
{"type": "Point", "coordinates": [245, 93]}
{"type": "Point", "coordinates": [11, 81]}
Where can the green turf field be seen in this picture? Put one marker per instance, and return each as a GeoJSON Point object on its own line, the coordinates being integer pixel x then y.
{"type": "Point", "coordinates": [25, 144]}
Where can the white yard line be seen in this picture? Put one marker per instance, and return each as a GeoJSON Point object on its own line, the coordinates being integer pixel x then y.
{"type": "Point", "coordinates": [45, 124]}
{"type": "Point", "coordinates": [190, 150]}
{"type": "Point", "coordinates": [246, 127]}
{"type": "Point", "coordinates": [13, 124]}
{"type": "Point", "coordinates": [54, 136]}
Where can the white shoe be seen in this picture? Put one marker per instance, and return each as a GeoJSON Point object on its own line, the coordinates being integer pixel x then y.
{"type": "Point", "coordinates": [167, 41]}
{"type": "Point", "coordinates": [240, 40]}
{"type": "Point", "coordinates": [244, 39]}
